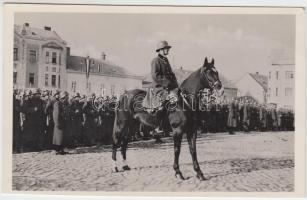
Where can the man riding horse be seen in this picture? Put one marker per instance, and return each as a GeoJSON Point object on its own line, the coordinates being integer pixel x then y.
{"type": "Point", "coordinates": [183, 118]}
{"type": "Point", "coordinates": [164, 83]}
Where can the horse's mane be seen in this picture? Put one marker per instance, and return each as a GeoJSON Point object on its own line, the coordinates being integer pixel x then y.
{"type": "Point", "coordinates": [191, 84]}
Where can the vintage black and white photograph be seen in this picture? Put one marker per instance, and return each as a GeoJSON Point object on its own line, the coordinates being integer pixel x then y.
{"type": "Point", "coordinates": [154, 101]}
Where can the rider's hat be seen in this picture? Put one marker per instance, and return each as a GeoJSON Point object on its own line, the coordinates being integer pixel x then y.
{"type": "Point", "coordinates": [162, 45]}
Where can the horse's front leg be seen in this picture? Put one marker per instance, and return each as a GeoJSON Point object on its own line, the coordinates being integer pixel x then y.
{"type": "Point", "coordinates": [177, 145]}
{"type": "Point", "coordinates": [191, 137]}
{"type": "Point", "coordinates": [114, 149]}
{"type": "Point", "coordinates": [123, 152]}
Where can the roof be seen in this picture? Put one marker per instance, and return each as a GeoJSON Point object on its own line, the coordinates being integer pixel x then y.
{"type": "Point", "coordinates": [99, 67]}
{"type": "Point", "coordinates": [261, 79]}
{"type": "Point", "coordinates": [37, 33]}
{"type": "Point", "coordinates": [181, 74]}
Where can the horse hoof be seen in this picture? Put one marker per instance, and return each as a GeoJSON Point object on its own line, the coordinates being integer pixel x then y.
{"type": "Point", "coordinates": [115, 170]}
{"type": "Point", "coordinates": [126, 167]}
{"type": "Point", "coordinates": [179, 176]}
{"type": "Point", "coordinates": [201, 177]}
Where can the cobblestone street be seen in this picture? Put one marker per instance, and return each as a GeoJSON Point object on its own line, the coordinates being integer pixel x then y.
{"type": "Point", "coordinates": [233, 163]}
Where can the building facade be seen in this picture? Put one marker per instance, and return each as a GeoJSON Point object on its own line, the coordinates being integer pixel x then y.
{"type": "Point", "coordinates": [42, 60]}
{"type": "Point", "coordinates": [281, 82]}
{"type": "Point", "coordinates": [253, 85]}
{"type": "Point", "coordinates": [39, 58]}
{"type": "Point", "coordinates": [105, 78]}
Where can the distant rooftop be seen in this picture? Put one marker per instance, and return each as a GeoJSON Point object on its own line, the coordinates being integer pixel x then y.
{"type": "Point", "coordinates": [261, 79]}
{"type": "Point", "coordinates": [98, 67]}
{"type": "Point", "coordinates": [44, 33]}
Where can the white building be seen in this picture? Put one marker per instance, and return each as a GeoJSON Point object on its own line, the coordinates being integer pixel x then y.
{"type": "Point", "coordinates": [281, 84]}
{"type": "Point", "coordinates": [39, 58]}
{"type": "Point", "coordinates": [105, 78]}
{"type": "Point", "coordinates": [254, 85]}
{"type": "Point", "coordinates": [42, 60]}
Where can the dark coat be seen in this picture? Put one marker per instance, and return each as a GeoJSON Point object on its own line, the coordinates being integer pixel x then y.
{"type": "Point", "coordinates": [34, 121]}
{"type": "Point", "coordinates": [162, 74]}
{"type": "Point", "coordinates": [59, 120]}
{"type": "Point", "coordinates": [233, 115]}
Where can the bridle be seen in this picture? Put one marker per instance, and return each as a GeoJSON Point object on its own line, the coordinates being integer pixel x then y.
{"type": "Point", "coordinates": [211, 83]}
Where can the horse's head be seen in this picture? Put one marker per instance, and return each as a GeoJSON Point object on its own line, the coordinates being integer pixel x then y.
{"type": "Point", "coordinates": [211, 77]}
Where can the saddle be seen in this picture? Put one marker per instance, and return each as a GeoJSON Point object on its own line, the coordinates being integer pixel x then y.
{"type": "Point", "coordinates": [155, 101]}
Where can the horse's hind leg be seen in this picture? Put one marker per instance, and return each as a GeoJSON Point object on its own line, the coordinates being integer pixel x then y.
{"type": "Point", "coordinates": [114, 149]}
{"type": "Point", "coordinates": [192, 146]}
{"type": "Point", "coordinates": [177, 145]}
{"type": "Point", "coordinates": [123, 152]}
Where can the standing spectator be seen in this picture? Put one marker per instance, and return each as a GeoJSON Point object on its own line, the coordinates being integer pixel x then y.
{"type": "Point", "coordinates": [90, 117]}
{"type": "Point", "coordinates": [16, 123]}
{"type": "Point", "coordinates": [60, 123]}
{"type": "Point", "coordinates": [76, 120]}
{"type": "Point", "coordinates": [263, 118]}
{"type": "Point", "coordinates": [232, 122]}
{"type": "Point", "coordinates": [34, 121]}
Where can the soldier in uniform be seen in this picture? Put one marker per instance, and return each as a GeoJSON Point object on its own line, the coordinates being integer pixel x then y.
{"type": "Point", "coordinates": [274, 119]}
{"type": "Point", "coordinates": [164, 81]}
{"type": "Point", "coordinates": [263, 118]}
{"type": "Point", "coordinates": [90, 119]}
{"type": "Point", "coordinates": [233, 117]}
{"type": "Point", "coordinates": [16, 123]}
{"type": "Point", "coordinates": [75, 120]}
{"type": "Point", "coordinates": [60, 122]}
{"type": "Point", "coordinates": [246, 116]}
{"type": "Point", "coordinates": [34, 121]}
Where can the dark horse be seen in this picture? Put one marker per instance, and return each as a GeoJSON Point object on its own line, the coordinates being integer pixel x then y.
{"type": "Point", "coordinates": [182, 117]}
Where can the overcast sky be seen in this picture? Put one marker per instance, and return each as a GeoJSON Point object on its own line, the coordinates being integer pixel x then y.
{"type": "Point", "coordinates": [238, 43]}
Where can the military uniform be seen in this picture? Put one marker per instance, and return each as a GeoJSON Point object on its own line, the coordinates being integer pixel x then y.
{"type": "Point", "coordinates": [164, 80]}
{"type": "Point", "coordinates": [90, 115]}
{"type": "Point", "coordinates": [233, 117]}
{"type": "Point", "coordinates": [75, 121]}
{"type": "Point", "coordinates": [34, 123]}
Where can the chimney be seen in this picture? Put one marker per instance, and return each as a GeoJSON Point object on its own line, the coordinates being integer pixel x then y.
{"type": "Point", "coordinates": [257, 73]}
{"type": "Point", "coordinates": [103, 55]}
{"type": "Point", "coordinates": [26, 24]}
{"type": "Point", "coordinates": [47, 28]}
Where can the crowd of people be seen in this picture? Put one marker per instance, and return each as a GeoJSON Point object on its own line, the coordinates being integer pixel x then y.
{"type": "Point", "coordinates": [245, 115]}
{"type": "Point", "coordinates": [54, 120]}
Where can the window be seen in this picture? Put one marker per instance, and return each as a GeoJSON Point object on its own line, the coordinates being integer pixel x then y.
{"type": "Point", "coordinates": [289, 75]}
{"type": "Point", "coordinates": [14, 77]}
{"type": "Point", "coordinates": [47, 68]}
{"type": "Point", "coordinates": [276, 75]}
{"type": "Point", "coordinates": [73, 86]}
{"type": "Point", "coordinates": [53, 80]}
{"type": "Point", "coordinates": [59, 81]}
{"type": "Point", "coordinates": [269, 74]}
{"type": "Point", "coordinates": [32, 56]}
{"type": "Point", "coordinates": [46, 79]}
{"type": "Point", "coordinates": [60, 58]}
{"type": "Point", "coordinates": [53, 57]}
{"type": "Point", "coordinates": [31, 79]}
{"type": "Point", "coordinates": [276, 91]}
{"type": "Point", "coordinates": [47, 57]}
{"type": "Point", "coordinates": [53, 69]}
{"type": "Point", "coordinates": [288, 92]}
{"type": "Point", "coordinates": [15, 54]}
{"type": "Point", "coordinates": [269, 92]}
